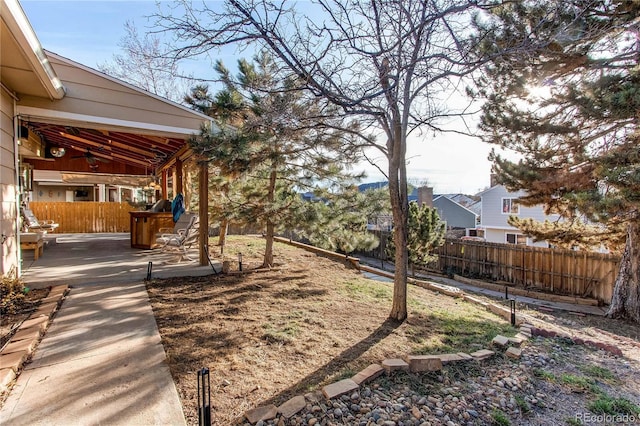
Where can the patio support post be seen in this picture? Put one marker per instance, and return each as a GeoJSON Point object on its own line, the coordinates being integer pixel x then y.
{"type": "Point", "coordinates": [177, 180]}
{"type": "Point", "coordinates": [101, 192]}
{"type": "Point", "coordinates": [203, 212]}
{"type": "Point", "coordinates": [164, 185]}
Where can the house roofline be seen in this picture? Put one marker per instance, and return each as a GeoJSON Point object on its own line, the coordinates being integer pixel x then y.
{"type": "Point", "coordinates": [456, 203]}
{"type": "Point", "coordinates": [28, 42]}
{"type": "Point", "coordinates": [144, 92]}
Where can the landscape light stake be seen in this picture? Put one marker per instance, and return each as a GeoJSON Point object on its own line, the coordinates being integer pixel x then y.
{"type": "Point", "coordinates": [204, 397]}
{"type": "Point", "coordinates": [240, 262]}
{"type": "Point", "coordinates": [513, 312]}
{"type": "Point", "coordinates": [149, 267]}
{"type": "Point", "coordinates": [506, 292]}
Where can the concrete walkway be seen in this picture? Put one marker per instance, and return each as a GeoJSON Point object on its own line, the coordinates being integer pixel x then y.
{"type": "Point", "coordinates": [101, 362]}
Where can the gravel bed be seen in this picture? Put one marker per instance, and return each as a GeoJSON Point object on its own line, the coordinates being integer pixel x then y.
{"type": "Point", "coordinates": [552, 383]}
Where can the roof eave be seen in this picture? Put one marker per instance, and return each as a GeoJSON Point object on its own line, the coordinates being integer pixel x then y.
{"type": "Point", "coordinates": [21, 29]}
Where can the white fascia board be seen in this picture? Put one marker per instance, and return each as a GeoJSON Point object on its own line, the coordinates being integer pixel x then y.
{"type": "Point", "coordinates": [499, 228]}
{"type": "Point", "coordinates": [22, 30]}
{"type": "Point", "coordinates": [61, 117]}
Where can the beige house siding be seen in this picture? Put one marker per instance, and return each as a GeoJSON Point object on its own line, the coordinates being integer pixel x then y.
{"type": "Point", "coordinates": [8, 204]}
{"type": "Point", "coordinates": [93, 94]}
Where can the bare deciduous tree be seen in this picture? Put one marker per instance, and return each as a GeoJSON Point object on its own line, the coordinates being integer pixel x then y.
{"type": "Point", "coordinates": [145, 64]}
{"type": "Point", "coordinates": [393, 63]}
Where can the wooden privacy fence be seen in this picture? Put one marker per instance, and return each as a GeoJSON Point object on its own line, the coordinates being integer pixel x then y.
{"type": "Point", "coordinates": [565, 272]}
{"type": "Point", "coordinates": [86, 216]}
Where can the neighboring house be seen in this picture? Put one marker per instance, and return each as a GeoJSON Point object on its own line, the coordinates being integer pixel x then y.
{"type": "Point", "coordinates": [454, 214]}
{"type": "Point", "coordinates": [421, 195]}
{"type": "Point", "coordinates": [462, 199]}
{"type": "Point", "coordinates": [497, 205]}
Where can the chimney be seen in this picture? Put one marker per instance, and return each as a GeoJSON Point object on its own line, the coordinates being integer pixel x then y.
{"type": "Point", "coordinates": [425, 196]}
{"type": "Point", "coordinates": [493, 180]}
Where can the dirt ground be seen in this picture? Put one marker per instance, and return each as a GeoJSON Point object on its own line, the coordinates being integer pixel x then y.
{"type": "Point", "coordinates": [17, 311]}
{"type": "Point", "coordinates": [270, 335]}
{"type": "Point", "coordinates": [267, 336]}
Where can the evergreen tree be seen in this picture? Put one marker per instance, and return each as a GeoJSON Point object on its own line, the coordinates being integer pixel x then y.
{"type": "Point", "coordinates": [283, 143]}
{"type": "Point", "coordinates": [224, 150]}
{"type": "Point", "coordinates": [425, 232]}
{"type": "Point", "coordinates": [563, 91]}
{"type": "Point", "coordinates": [338, 221]}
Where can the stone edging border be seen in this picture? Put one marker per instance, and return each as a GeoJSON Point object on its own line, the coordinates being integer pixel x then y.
{"type": "Point", "coordinates": [413, 364]}
{"type": "Point", "coordinates": [23, 343]}
{"type": "Point", "coordinates": [409, 363]}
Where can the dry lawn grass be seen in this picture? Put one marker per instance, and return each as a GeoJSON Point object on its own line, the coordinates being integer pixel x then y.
{"type": "Point", "coordinates": [267, 336]}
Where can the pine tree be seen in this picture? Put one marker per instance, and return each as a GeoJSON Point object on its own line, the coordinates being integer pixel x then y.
{"type": "Point", "coordinates": [224, 149]}
{"type": "Point", "coordinates": [337, 220]}
{"type": "Point", "coordinates": [282, 143]}
{"type": "Point", "coordinates": [563, 92]}
{"type": "Point", "coordinates": [425, 233]}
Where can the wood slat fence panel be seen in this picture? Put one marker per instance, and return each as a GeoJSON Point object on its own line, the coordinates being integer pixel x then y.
{"type": "Point", "coordinates": [86, 216]}
{"type": "Point", "coordinates": [565, 272]}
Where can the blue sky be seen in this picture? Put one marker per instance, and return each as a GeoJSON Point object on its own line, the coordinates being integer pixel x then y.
{"type": "Point", "coordinates": [89, 32]}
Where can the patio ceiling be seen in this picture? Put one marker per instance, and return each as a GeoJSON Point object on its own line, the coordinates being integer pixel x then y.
{"type": "Point", "coordinates": [134, 149]}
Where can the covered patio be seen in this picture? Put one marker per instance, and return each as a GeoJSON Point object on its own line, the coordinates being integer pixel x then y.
{"type": "Point", "coordinates": [70, 123]}
{"type": "Point", "coordinates": [104, 258]}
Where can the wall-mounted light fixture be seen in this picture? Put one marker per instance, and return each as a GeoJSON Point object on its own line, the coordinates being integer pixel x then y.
{"type": "Point", "coordinates": [57, 151]}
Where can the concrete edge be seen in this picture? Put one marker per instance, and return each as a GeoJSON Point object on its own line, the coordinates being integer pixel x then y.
{"type": "Point", "coordinates": [21, 346]}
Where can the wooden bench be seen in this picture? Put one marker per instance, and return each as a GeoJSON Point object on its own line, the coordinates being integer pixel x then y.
{"type": "Point", "coordinates": [32, 241]}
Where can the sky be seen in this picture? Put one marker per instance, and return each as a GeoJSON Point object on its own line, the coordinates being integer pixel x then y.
{"type": "Point", "coordinates": [89, 32]}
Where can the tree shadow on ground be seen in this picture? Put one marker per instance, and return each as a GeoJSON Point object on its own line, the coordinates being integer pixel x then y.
{"type": "Point", "coordinates": [337, 363]}
{"type": "Point", "coordinates": [300, 293]}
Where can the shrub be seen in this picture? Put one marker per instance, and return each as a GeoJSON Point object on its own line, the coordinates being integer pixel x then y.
{"type": "Point", "coordinates": [12, 295]}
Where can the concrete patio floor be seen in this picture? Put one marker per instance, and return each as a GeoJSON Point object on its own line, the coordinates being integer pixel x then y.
{"type": "Point", "coordinates": [101, 361]}
{"type": "Point", "coordinates": [95, 259]}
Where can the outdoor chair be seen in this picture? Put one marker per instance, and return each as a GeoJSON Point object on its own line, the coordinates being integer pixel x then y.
{"type": "Point", "coordinates": [185, 222]}
{"type": "Point", "coordinates": [182, 240]}
{"type": "Point", "coordinates": [30, 222]}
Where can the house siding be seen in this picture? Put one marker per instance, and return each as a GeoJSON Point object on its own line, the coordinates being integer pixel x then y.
{"type": "Point", "coordinates": [494, 221]}
{"type": "Point", "coordinates": [8, 202]}
{"type": "Point", "coordinates": [454, 214]}
{"type": "Point", "coordinates": [492, 215]}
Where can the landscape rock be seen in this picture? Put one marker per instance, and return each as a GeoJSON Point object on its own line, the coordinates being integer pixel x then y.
{"type": "Point", "coordinates": [263, 413]}
{"type": "Point", "coordinates": [394, 364]}
{"type": "Point", "coordinates": [339, 388]}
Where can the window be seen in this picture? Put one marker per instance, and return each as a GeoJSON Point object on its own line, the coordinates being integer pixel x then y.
{"type": "Point", "coordinates": [510, 206]}
{"type": "Point", "coordinates": [476, 233]}
{"type": "Point", "coordinates": [517, 239]}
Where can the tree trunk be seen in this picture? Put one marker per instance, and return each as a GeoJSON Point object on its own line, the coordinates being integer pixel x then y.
{"type": "Point", "coordinates": [268, 249]}
{"type": "Point", "coordinates": [222, 234]}
{"type": "Point", "coordinates": [399, 209]}
{"type": "Point", "coordinates": [625, 303]}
